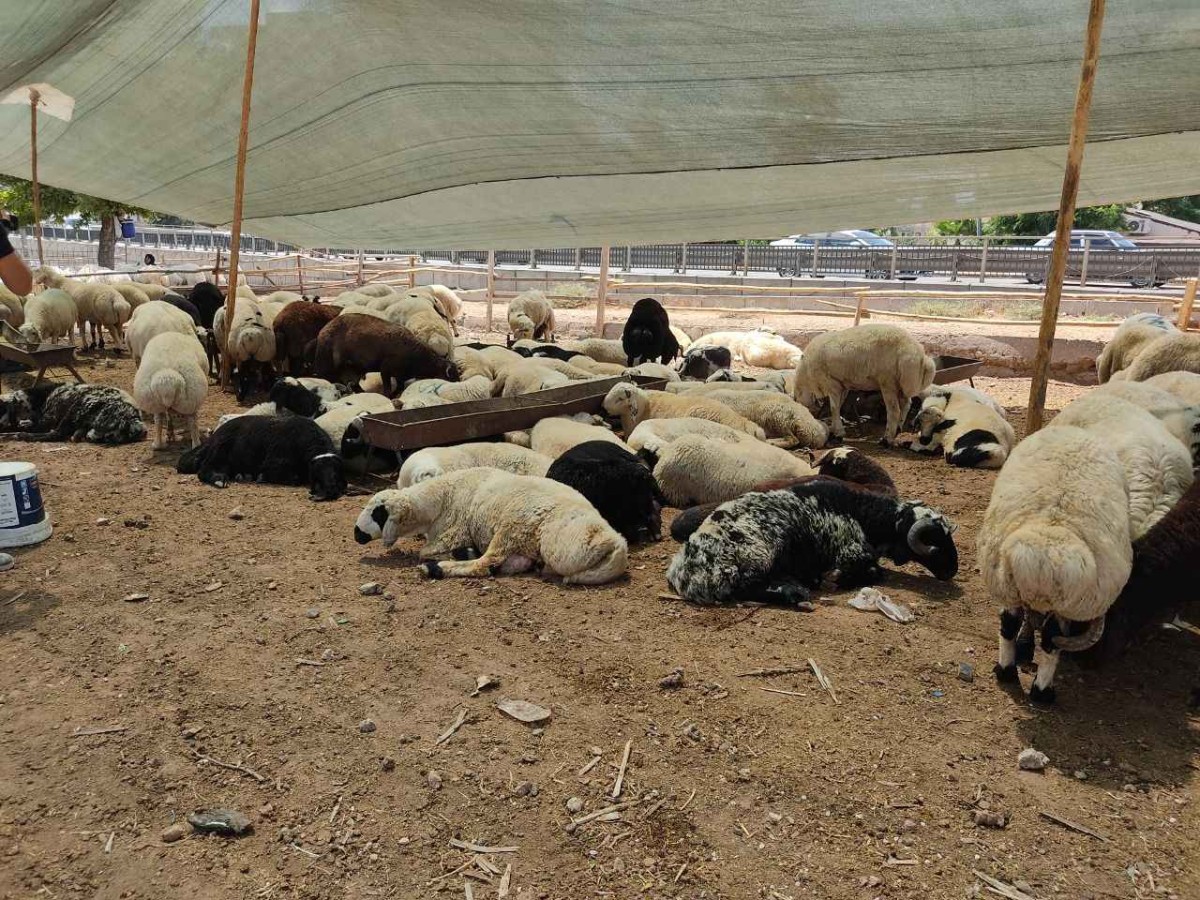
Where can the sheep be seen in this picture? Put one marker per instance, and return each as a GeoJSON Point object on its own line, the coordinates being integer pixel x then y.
{"type": "Point", "coordinates": [755, 348]}
{"type": "Point", "coordinates": [282, 298]}
{"type": "Point", "coordinates": [152, 319]}
{"type": "Point", "coordinates": [705, 361]}
{"type": "Point", "coordinates": [309, 397]}
{"type": "Point", "coordinates": [437, 392]}
{"type": "Point", "coordinates": [341, 422]}
{"type": "Point", "coordinates": [969, 434]}
{"type": "Point", "coordinates": [172, 381]}
{"type": "Point", "coordinates": [433, 462]}
{"type": "Point", "coordinates": [289, 450]}
{"type": "Point", "coordinates": [587, 364]}
{"type": "Point", "coordinates": [649, 370]}
{"type": "Point", "coordinates": [528, 348]}
{"type": "Point", "coordinates": [600, 349]}
{"type": "Point", "coordinates": [635, 405]}
{"type": "Point", "coordinates": [554, 436]}
{"type": "Point", "coordinates": [1055, 541]}
{"type": "Point", "coordinates": [949, 390]}
{"type": "Point", "coordinates": [1184, 385]}
{"type": "Point", "coordinates": [519, 520]}
{"type": "Point", "coordinates": [12, 309]}
{"type": "Point", "coordinates": [135, 294]}
{"type": "Point", "coordinates": [110, 310]}
{"type": "Point", "coordinates": [96, 413]}
{"type": "Point", "coordinates": [49, 316]}
{"type": "Point", "coordinates": [649, 437]}
{"type": "Point", "coordinates": [864, 357]}
{"type": "Point", "coordinates": [296, 327]}
{"type": "Point", "coordinates": [447, 303]}
{"type": "Point", "coordinates": [419, 316]}
{"type": "Point", "coordinates": [350, 346]}
{"type": "Point", "coordinates": [778, 546]}
{"type": "Point", "coordinates": [525, 378]}
{"type": "Point", "coordinates": [1172, 353]}
{"type": "Point", "coordinates": [530, 315]}
{"type": "Point", "coordinates": [647, 334]}
{"type": "Point", "coordinates": [622, 491]}
{"type": "Point", "coordinates": [186, 306]}
{"type": "Point", "coordinates": [376, 289]}
{"type": "Point", "coordinates": [207, 299]}
{"type": "Point", "coordinates": [153, 292]}
{"type": "Point", "coordinates": [704, 388]}
{"type": "Point", "coordinates": [692, 469]}
{"type": "Point", "coordinates": [97, 305]}
{"type": "Point", "coordinates": [1129, 339]}
{"type": "Point", "coordinates": [681, 338]}
{"type": "Point", "coordinates": [251, 344]}
{"type": "Point", "coordinates": [1155, 449]}
{"type": "Point", "coordinates": [779, 416]}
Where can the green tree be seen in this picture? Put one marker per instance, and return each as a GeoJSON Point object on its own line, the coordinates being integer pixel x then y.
{"type": "Point", "coordinates": [16, 194]}
{"type": "Point", "coordinates": [1178, 207]}
{"type": "Point", "coordinates": [956, 227]}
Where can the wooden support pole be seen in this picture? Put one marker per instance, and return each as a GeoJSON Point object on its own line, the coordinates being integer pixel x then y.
{"type": "Point", "coordinates": [34, 99]}
{"type": "Point", "coordinates": [858, 310]}
{"type": "Point", "coordinates": [412, 272]}
{"type": "Point", "coordinates": [602, 291]}
{"type": "Point", "coordinates": [239, 191]}
{"type": "Point", "coordinates": [360, 269]}
{"type": "Point", "coordinates": [491, 286]}
{"type": "Point", "coordinates": [1066, 218]}
{"type": "Point", "coordinates": [217, 268]}
{"type": "Point", "coordinates": [1186, 304]}
{"type": "Point", "coordinates": [300, 274]}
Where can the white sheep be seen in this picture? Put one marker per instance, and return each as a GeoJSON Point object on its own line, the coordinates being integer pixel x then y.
{"type": "Point", "coordinates": [704, 388]}
{"type": "Point", "coordinates": [554, 436]}
{"type": "Point", "coordinates": [1128, 341]}
{"type": "Point", "coordinates": [635, 405]}
{"type": "Point", "coordinates": [49, 316]}
{"type": "Point", "coordinates": [1172, 353]}
{"type": "Point", "coordinates": [763, 349]}
{"type": "Point", "coordinates": [251, 342]}
{"type": "Point", "coordinates": [948, 390]}
{"type": "Point", "coordinates": [172, 380]}
{"type": "Point", "coordinates": [600, 349]}
{"type": "Point", "coordinates": [880, 358]}
{"type": "Point", "coordinates": [152, 319]}
{"type": "Point", "coordinates": [651, 370]}
{"type": "Point", "coordinates": [695, 469]}
{"type": "Point", "coordinates": [135, 294]}
{"type": "Point", "coordinates": [282, 298]}
{"type": "Point", "coordinates": [517, 520]}
{"type": "Point", "coordinates": [587, 364]}
{"type": "Point", "coordinates": [650, 436]}
{"type": "Point", "coordinates": [1056, 540]}
{"type": "Point", "coordinates": [97, 303]}
{"type": "Point", "coordinates": [1184, 385]}
{"type": "Point", "coordinates": [682, 338]}
{"type": "Point", "coordinates": [530, 315]}
{"type": "Point", "coordinates": [525, 378]}
{"type": "Point", "coordinates": [970, 434]}
{"type": "Point", "coordinates": [437, 392]}
{"type": "Point", "coordinates": [447, 302]}
{"type": "Point", "coordinates": [779, 416]}
{"type": "Point", "coordinates": [376, 289]}
{"type": "Point", "coordinates": [340, 413]}
{"type": "Point", "coordinates": [418, 315]}
{"type": "Point", "coordinates": [433, 462]}
{"type": "Point", "coordinates": [12, 309]}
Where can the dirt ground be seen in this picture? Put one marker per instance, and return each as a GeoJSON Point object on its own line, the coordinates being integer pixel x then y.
{"type": "Point", "coordinates": [256, 649]}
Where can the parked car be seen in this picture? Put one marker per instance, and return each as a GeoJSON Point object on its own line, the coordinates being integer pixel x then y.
{"type": "Point", "coordinates": [1097, 239]}
{"type": "Point", "coordinates": [851, 239]}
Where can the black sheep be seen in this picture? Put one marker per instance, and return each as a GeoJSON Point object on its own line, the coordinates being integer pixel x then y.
{"type": "Point", "coordinates": [207, 298]}
{"type": "Point", "coordinates": [96, 413]}
{"type": "Point", "coordinates": [289, 394]}
{"type": "Point", "coordinates": [647, 335]}
{"type": "Point", "coordinates": [622, 490]}
{"type": "Point", "coordinates": [857, 468]}
{"type": "Point", "coordinates": [188, 307]}
{"type": "Point", "coordinates": [701, 362]}
{"type": "Point", "coordinates": [271, 449]}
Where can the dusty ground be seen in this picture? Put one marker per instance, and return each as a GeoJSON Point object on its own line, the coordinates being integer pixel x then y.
{"type": "Point", "coordinates": [256, 648]}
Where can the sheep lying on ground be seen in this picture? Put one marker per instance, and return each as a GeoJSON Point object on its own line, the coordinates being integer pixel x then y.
{"type": "Point", "coordinates": [525, 378]}
{"type": "Point", "coordinates": [778, 546]}
{"type": "Point", "coordinates": [647, 334]}
{"type": "Point", "coordinates": [171, 382]}
{"type": "Point", "coordinates": [433, 462]}
{"type": "Point", "coordinates": [968, 433]}
{"type": "Point", "coordinates": [649, 437]}
{"type": "Point", "coordinates": [518, 520]}
{"type": "Point", "coordinates": [704, 361]}
{"type": "Point", "coordinates": [704, 388]}
{"type": "Point", "coordinates": [587, 364]}
{"type": "Point", "coordinates": [296, 327]}
{"type": "Point", "coordinates": [376, 289]}
{"type": "Point", "coordinates": [251, 345]}
{"type": "Point", "coordinates": [1129, 340]}
{"type": "Point", "coordinates": [530, 315]}
{"type": "Point", "coordinates": [49, 316]}
{"type": "Point", "coordinates": [272, 449]}
{"type": "Point", "coordinates": [342, 422]}
{"type": "Point", "coordinates": [600, 349]}
{"type": "Point", "coordinates": [755, 348]}
{"type": "Point", "coordinates": [864, 357]}
{"type": "Point", "coordinates": [556, 435]}
{"type": "Point", "coordinates": [152, 319]}
{"type": "Point", "coordinates": [95, 413]}
{"type": "Point", "coordinates": [1173, 353]}
{"type": "Point", "coordinates": [620, 489]}
{"type": "Point", "coordinates": [1184, 385]}
{"type": "Point", "coordinates": [1055, 544]}
{"type": "Point", "coordinates": [692, 469]}
{"type": "Point", "coordinates": [650, 370]}
{"type": "Point", "coordinates": [309, 397]}
{"type": "Point", "coordinates": [779, 416]}
{"type": "Point", "coordinates": [635, 405]}
{"type": "Point", "coordinates": [420, 315]}
{"type": "Point", "coordinates": [350, 346]}
{"type": "Point", "coordinates": [965, 390]}
{"type": "Point", "coordinates": [437, 392]}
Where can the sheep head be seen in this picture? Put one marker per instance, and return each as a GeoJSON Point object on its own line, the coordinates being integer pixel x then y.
{"type": "Point", "coordinates": [326, 477]}
{"type": "Point", "coordinates": [522, 327]}
{"type": "Point", "coordinates": [932, 414]}
{"type": "Point", "coordinates": [30, 333]}
{"type": "Point", "coordinates": [628, 402]}
{"type": "Point", "coordinates": [925, 536]}
{"type": "Point", "coordinates": [389, 516]}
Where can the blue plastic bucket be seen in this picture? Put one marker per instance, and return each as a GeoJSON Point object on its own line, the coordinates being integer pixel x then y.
{"type": "Point", "coordinates": [22, 516]}
{"type": "Point", "coordinates": [128, 229]}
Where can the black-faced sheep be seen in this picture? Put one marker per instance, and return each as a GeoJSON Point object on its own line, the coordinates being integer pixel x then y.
{"type": "Point", "coordinates": [350, 346]}
{"type": "Point", "coordinates": [880, 358]}
{"type": "Point", "coordinates": [519, 520]}
{"type": "Point", "coordinates": [613, 481]}
{"type": "Point", "coordinates": [309, 397]}
{"type": "Point", "coordinates": [647, 335]}
{"type": "Point", "coordinates": [272, 449]}
{"type": "Point", "coordinates": [778, 546]}
{"type": "Point", "coordinates": [699, 363]}
{"type": "Point", "coordinates": [763, 349]}
{"type": "Point", "coordinates": [95, 413]}
{"type": "Point", "coordinates": [969, 434]}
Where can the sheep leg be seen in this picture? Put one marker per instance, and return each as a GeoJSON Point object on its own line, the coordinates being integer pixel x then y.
{"type": "Point", "coordinates": [1046, 656]}
{"type": "Point", "coordinates": [501, 556]}
{"type": "Point", "coordinates": [445, 543]}
{"type": "Point", "coordinates": [783, 591]}
{"type": "Point", "coordinates": [894, 408]}
{"type": "Point", "coordinates": [837, 431]}
{"type": "Point", "coordinates": [158, 431]}
{"type": "Point", "coordinates": [193, 431]}
{"type": "Point", "coordinates": [1010, 626]}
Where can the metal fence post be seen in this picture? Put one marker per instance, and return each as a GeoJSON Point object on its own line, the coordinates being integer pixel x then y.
{"type": "Point", "coordinates": [983, 262]}
{"type": "Point", "coordinates": [954, 263]}
{"type": "Point", "coordinates": [491, 286]}
{"type": "Point", "coordinates": [533, 259]}
{"type": "Point", "coordinates": [578, 257]}
{"type": "Point", "coordinates": [892, 264]}
{"type": "Point", "coordinates": [816, 256]}
{"type": "Point", "coordinates": [1083, 266]}
{"type": "Point", "coordinates": [683, 260]}
{"type": "Point", "coordinates": [746, 258]}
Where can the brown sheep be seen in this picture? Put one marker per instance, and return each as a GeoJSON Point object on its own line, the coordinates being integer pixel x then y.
{"type": "Point", "coordinates": [351, 346]}
{"type": "Point", "coordinates": [296, 326]}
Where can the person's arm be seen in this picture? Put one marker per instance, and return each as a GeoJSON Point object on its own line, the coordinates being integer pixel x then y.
{"type": "Point", "coordinates": [13, 271]}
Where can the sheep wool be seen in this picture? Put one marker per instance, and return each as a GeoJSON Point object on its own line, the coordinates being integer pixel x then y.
{"type": "Point", "coordinates": [969, 434]}
{"type": "Point", "coordinates": [619, 487]}
{"type": "Point", "coordinates": [649, 438]}
{"type": "Point", "coordinates": [763, 349]}
{"type": "Point", "coordinates": [152, 319]}
{"type": "Point", "coordinates": [1128, 341]}
{"type": "Point", "coordinates": [556, 435]}
{"type": "Point", "coordinates": [635, 405]}
{"type": "Point", "coordinates": [693, 469]}
{"type": "Point", "coordinates": [172, 381]}
{"type": "Point", "coordinates": [49, 316]}
{"type": "Point", "coordinates": [433, 462]}
{"type": "Point", "coordinates": [96, 413]}
{"type": "Point", "coordinates": [530, 315]}
{"type": "Point", "coordinates": [12, 309]}
{"type": "Point", "coordinates": [779, 416]}
{"type": "Point", "coordinates": [1172, 353]}
{"type": "Point", "coordinates": [1184, 385]}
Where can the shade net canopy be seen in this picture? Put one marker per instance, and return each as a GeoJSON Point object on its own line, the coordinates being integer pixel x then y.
{"type": "Point", "coordinates": [456, 123]}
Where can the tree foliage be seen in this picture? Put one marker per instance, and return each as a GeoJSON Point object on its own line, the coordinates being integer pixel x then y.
{"type": "Point", "coordinates": [1109, 218]}
{"type": "Point", "coordinates": [1177, 207]}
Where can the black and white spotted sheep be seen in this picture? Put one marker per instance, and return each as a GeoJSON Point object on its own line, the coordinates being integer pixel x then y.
{"type": "Point", "coordinates": [96, 413]}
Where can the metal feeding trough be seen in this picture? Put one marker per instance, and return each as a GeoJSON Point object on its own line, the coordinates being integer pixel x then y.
{"type": "Point", "coordinates": [24, 356]}
{"type": "Point", "coordinates": [949, 369]}
{"type": "Point", "coordinates": [453, 423]}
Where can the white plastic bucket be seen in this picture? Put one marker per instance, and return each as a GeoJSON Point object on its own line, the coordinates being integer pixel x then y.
{"type": "Point", "coordinates": [22, 516]}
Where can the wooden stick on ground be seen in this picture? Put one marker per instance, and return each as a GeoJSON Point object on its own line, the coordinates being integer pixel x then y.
{"type": "Point", "coordinates": [999, 887]}
{"type": "Point", "coordinates": [778, 670]}
{"type": "Point", "coordinates": [480, 848]}
{"type": "Point", "coordinates": [233, 767]}
{"type": "Point", "coordinates": [616, 791]}
{"type": "Point", "coordinates": [90, 731]}
{"type": "Point", "coordinates": [821, 679]}
{"type": "Point", "coordinates": [616, 807]}
{"type": "Point", "coordinates": [1074, 826]}
{"type": "Point", "coordinates": [449, 732]}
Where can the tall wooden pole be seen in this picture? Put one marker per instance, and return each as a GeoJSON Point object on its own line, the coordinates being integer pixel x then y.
{"type": "Point", "coordinates": [239, 190]}
{"type": "Point", "coordinates": [34, 98]}
{"type": "Point", "coordinates": [1066, 218]}
{"type": "Point", "coordinates": [602, 291]}
{"type": "Point", "coordinates": [300, 274]}
{"type": "Point", "coordinates": [490, 296]}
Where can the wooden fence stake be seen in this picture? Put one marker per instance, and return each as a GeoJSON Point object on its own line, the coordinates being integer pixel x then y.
{"type": "Point", "coordinates": [239, 191]}
{"type": "Point", "coordinates": [360, 268]}
{"type": "Point", "coordinates": [1185, 305]}
{"type": "Point", "coordinates": [1066, 218]}
{"type": "Point", "coordinates": [412, 272]}
{"type": "Point", "coordinates": [300, 274]}
{"type": "Point", "coordinates": [491, 286]}
{"type": "Point", "coordinates": [602, 291]}
{"type": "Point", "coordinates": [858, 310]}
{"type": "Point", "coordinates": [34, 98]}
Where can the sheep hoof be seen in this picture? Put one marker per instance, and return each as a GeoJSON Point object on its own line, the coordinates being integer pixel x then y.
{"type": "Point", "coordinates": [1042, 696]}
{"type": "Point", "coordinates": [433, 570]}
{"type": "Point", "coordinates": [1006, 674]}
{"type": "Point", "coordinates": [1024, 652]}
